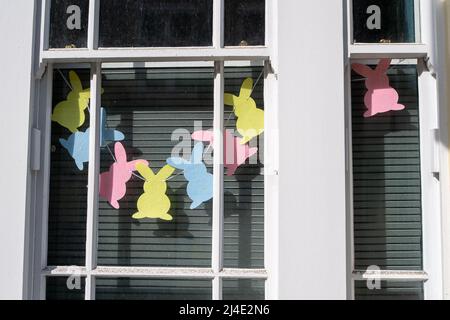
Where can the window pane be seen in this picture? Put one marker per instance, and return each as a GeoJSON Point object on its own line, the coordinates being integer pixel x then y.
{"type": "Point", "coordinates": [57, 289]}
{"type": "Point", "coordinates": [390, 290]}
{"type": "Point", "coordinates": [244, 190]}
{"type": "Point", "coordinates": [387, 178]}
{"type": "Point", "coordinates": [155, 23]}
{"type": "Point", "coordinates": [69, 23]}
{"type": "Point", "coordinates": [148, 106]}
{"type": "Point", "coordinates": [243, 289]}
{"type": "Point", "coordinates": [245, 22]}
{"type": "Point", "coordinates": [153, 289]}
{"type": "Point", "coordinates": [384, 21]}
{"type": "Point", "coordinates": [68, 184]}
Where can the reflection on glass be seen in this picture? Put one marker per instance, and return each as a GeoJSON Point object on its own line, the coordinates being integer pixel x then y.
{"type": "Point", "coordinates": [154, 109]}
{"type": "Point", "coordinates": [152, 289]}
{"type": "Point", "coordinates": [245, 22]}
{"type": "Point", "coordinates": [384, 21]}
{"type": "Point", "coordinates": [243, 289]}
{"type": "Point", "coordinates": [387, 178]}
{"type": "Point", "coordinates": [244, 190]}
{"type": "Point", "coordinates": [68, 186]}
{"type": "Point", "coordinates": [68, 23]}
{"type": "Point", "coordinates": [155, 23]}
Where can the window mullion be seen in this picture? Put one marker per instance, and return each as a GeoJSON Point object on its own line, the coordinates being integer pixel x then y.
{"type": "Point", "coordinates": [218, 24]}
{"type": "Point", "coordinates": [218, 200]}
{"type": "Point", "coordinates": [93, 179]}
{"type": "Point", "coordinates": [94, 16]}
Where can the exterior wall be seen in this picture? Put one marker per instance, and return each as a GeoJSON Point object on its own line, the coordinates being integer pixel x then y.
{"type": "Point", "coordinates": [312, 212]}
{"type": "Point", "coordinates": [16, 23]}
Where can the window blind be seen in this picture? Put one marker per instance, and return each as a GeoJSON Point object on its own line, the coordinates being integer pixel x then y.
{"type": "Point", "coordinates": [147, 105]}
{"type": "Point", "coordinates": [387, 181]}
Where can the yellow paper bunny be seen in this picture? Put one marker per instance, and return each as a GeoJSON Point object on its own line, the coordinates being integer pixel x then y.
{"type": "Point", "coordinates": [70, 113]}
{"type": "Point", "coordinates": [250, 123]}
{"type": "Point", "coordinates": [154, 203]}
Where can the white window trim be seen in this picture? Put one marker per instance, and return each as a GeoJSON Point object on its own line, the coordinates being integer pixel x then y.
{"type": "Point", "coordinates": [94, 57]}
{"type": "Point", "coordinates": [432, 275]}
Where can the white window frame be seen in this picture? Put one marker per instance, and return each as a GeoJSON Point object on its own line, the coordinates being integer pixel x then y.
{"type": "Point", "coordinates": [425, 54]}
{"type": "Point", "coordinates": [93, 56]}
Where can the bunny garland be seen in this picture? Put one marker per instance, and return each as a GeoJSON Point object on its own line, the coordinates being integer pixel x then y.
{"type": "Point", "coordinates": [235, 155]}
{"type": "Point", "coordinates": [200, 181]}
{"type": "Point", "coordinates": [250, 123]}
{"type": "Point", "coordinates": [113, 183]}
{"type": "Point", "coordinates": [154, 203]}
{"type": "Point", "coordinates": [380, 97]}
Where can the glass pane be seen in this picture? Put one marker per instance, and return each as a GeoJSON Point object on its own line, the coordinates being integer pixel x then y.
{"type": "Point", "coordinates": [155, 23]}
{"type": "Point", "coordinates": [386, 21]}
{"type": "Point", "coordinates": [244, 189]}
{"type": "Point", "coordinates": [68, 177]}
{"type": "Point", "coordinates": [390, 290]}
{"type": "Point", "coordinates": [57, 288]}
{"type": "Point", "coordinates": [243, 289]}
{"type": "Point", "coordinates": [155, 110]}
{"type": "Point", "coordinates": [387, 178]}
{"type": "Point", "coordinates": [245, 22]}
{"type": "Point", "coordinates": [69, 23]}
{"type": "Point", "coordinates": [153, 289]}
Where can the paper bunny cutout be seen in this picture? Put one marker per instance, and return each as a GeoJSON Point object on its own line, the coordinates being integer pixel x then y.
{"type": "Point", "coordinates": [112, 184]}
{"type": "Point", "coordinates": [250, 123]}
{"type": "Point", "coordinates": [70, 113]}
{"type": "Point", "coordinates": [106, 134]}
{"type": "Point", "coordinates": [380, 97]}
{"type": "Point", "coordinates": [78, 143]}
{"type": "Point", "coordinates": [154, 203]}
{"type": "Point", "coordinates": [235, 155]}
{"type": "Point", "coordinates": [200, 182]}
{"type": "Point", "coordinates": [78, 147]}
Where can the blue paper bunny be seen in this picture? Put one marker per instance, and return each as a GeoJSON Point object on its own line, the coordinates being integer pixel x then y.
{"type": "Point", "coordinates": [78, 143]}
{"type": "Point", "coordinates": [200, 186]}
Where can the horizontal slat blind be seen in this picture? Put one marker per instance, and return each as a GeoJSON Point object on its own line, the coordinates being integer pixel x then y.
{"type": "Point", "coordinates": [148, 105]}
{"type": "Point", "coordinates": [68, 188]}
{"type": "Point", "coordinates": [390, 290]}
{"type": "Point", "coordinates": [152, 289]}
{"type": "Point", "coordinates": [244, 191]}
{"type": "Point", "coordinates": [386, 178]}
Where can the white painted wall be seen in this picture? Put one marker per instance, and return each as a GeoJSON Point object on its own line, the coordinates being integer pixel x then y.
{"type": "Point", "coordinates": [16, 34]}
{"type": "Point", "coordinates": [310, 67]}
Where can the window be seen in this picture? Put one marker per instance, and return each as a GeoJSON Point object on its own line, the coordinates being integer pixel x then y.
{"type": "Point", "coordinates": [150, 99]}
{"type": "Point", "coordinates": [392, 185]}
{"type": "Point", "coordinates": [387, 187]}
{"type": "Point", "coordinates": [69, 23]}
{"type": "Point", "coordinates": [384, 21]}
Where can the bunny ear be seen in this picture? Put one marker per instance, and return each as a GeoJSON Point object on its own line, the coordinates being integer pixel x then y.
{"type": "Point", "coordinates": [145, 171]}
{"type": "Point", "coordinates": [75, 82]}
{"type": "Point", "coordinates": [177, 163]}
{"type": "Point", "coordinates": [384, 65]}
{"type": "Point", "coordinates": [121, 155]}
{"type": "Point", "coordinates": [197, 153]}
{"type": "Point", "coordinates": [165, 172]}
{"type": "Point", "coordinates": [228, 99]}
{"type": "Point", "coordinates": [362, 69]}
{"type": "Point", "coordinates": [103, 118]}
{"type": "Point", "coordinates": [247, 88]}
{"type": "Point", "coordinates": [205, 136]}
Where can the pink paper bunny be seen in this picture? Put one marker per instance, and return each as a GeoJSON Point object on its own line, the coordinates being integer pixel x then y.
{"type": "Point", "coordinates": [235, 153]}
{"type": "Point", "coordinates": [380, 97]}
{"type": "Point", "coordinates": [113, 183]}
